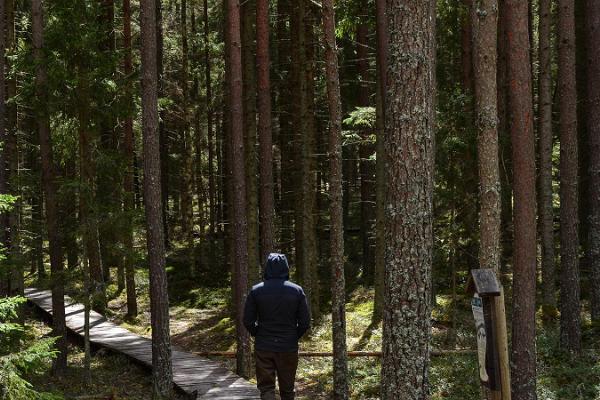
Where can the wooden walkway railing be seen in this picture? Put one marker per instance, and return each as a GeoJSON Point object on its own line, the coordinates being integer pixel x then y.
{"type": "Point", "coordinates": [191, 373]}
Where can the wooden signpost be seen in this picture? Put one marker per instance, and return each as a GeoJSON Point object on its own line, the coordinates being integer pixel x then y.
{"type": "Point", "coordinates": [490, 321]}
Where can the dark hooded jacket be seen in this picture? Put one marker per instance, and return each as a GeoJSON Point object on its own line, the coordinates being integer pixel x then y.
{"type": "Point", "coordinates": [276, 311]}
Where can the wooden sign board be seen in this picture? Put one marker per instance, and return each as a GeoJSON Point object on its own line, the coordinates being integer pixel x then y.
{"type": "Point", "coordinates": [483, 282]}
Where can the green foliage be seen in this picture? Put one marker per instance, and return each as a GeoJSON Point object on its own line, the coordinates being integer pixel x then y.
{"type": "Point", "coordinates": [20, 358]}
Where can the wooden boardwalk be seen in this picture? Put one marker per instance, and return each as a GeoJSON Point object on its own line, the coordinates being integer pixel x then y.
{"type": "Point", "coordinates": [190, 373]}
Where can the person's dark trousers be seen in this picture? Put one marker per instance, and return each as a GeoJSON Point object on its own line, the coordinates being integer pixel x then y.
{"type": "Point", "coordinates": [269, 364]}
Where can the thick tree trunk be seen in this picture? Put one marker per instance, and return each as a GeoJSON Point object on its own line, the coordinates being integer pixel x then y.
{"type": "Point", "coordinates": [381, 178]}
{"type": "Point", "coordinates": [409, 139]}
{"type": "Point", "coordinates": [523, 154]}
{"type": "Point", "coordinates": [338, 295]}
{"type": "Point", "coordinates": [128, 184]}
{"type": "Point", "coordinates": [570, 321]}
{"type": "Point", "coordinates": [593, 126]}
{"type": "Point", "coordinates": [546, 219]}
{"type": "Point", "coordinates": [266, 201]}
{"type": "Point", "coordinates": [484, 16]}
{"type": "Point", "coordinates": [162, 373]}
{"type": "Point", "coordinates": [239, 218]}
{"type": "Point", "coordinates": [49, 182]}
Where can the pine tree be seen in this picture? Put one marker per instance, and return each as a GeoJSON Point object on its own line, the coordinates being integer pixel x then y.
{"type": "Point", "coordinates": [409, 143]}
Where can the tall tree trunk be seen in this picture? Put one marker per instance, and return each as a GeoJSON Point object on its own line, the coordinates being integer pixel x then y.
{"type": "Point", "coordinates": [266, 201]}
{"type": "Point", "coordinates": [12, 158]}
{"type": "Point", "coordinates": [365, 151]}
{"type": "Point", "coordinates": [545, 149]}
{"type": "Point", "coordinates": [381, 178]}
{"type": "Point", "coordinates": [593, 126]}
{"type": "Point", "coordinates": [128, 184]}
{"type": "Point", "coordinates": [570, 321]}
{"type": "Point", "coordinates": [162, 373]}
{"type": "Point", "coordinates": [286, 132]}
{"type": "Point", "coordinates": [212, 196]}
{"type": "Point", "coordinates": [523, 154]}
{"type": "Point", "coordinates": [251, 167]}
{"type": "Point", "coordinates": [4, 232]}
{"type": "Point", "coordinates": [239, 218]}
{"type": "Point", "coordinates": [338, 290]}
{"type": "Point", "coordinates": [187, 204]}
{"type": "Point", "coordinates": [484, 16]}
{"type": "Point", "coordinates": [164, 137]}
{"type": "Point", "coordinates": [49, 181]}
{"type": "Point", "coordinates": [87, 196]}
{"type": "Point", "coordinates": [409, 139]}
{"type": "Point", "coordinates": [309, 263]}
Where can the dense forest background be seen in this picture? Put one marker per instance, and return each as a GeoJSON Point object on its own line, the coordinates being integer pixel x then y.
{"type": "Point", "coordinates": [157, 151]}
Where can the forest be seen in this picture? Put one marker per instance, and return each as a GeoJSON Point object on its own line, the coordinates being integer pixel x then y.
{"type": "Point", "coordinates": [155, 152]}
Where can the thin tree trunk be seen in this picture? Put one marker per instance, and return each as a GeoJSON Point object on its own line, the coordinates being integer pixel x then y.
{"type": "Point", "coordinates": [209, 133]}
{"type": "Point", "coordinates": [187, 204]}
{"type": "Point", "coordinates": [365, 151]}
{"type": "Point", "coordinates": [570, 321]}
{"type": "Point", "coordinates": [128, 184]}
{"type": "Point", "coordinates": [381, 178]}
{"type": "Point", "coordinates": [248, 19]}
{"type": "Point", "coordinates": [266, 201]}
{"type": "Point", "coordinates": [4, 232]}
{"type": "Point", "coordinates": [239, 218]}
{"type": "Point", "coordinates": [545, 149]}
{"type": "Point", "coordinates": [338, 295]}
{"type": "Point", "coordinates": [49, 182]}
{"type": "Point", "coordinates": [162, 373]}
{"type": "Point", "coordinates": [523, 153]}
{"type": "Point", "coordinates": [593, 126]}
{"type": "Point", "coordinates": [409, 202]}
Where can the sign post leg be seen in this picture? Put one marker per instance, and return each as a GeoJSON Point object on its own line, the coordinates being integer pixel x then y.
{"type": "Point", "coordinates": [502, 344]}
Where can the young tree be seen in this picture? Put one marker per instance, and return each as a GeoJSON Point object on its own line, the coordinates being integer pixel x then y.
{"type": "Point", "coordinates": [49, 182]}
{"type": "Point", "coordinates": [162, 373]}
{"type": "Point", "coordinates": [266, 201]}
{"type": "Point", "coordinates": [128, 184]}
{"type": "Point", "coordinates": [409, 142]}
{"type": "Point", "coordinates": [545, 149]}
{"type": "Point", "coordinates": [523, 153]}
{"type": "Point", "coordinates": [570, 320]}
{"type": "Point", "coordinates": [338, 303]}
{"type": "Point", "coordinates": [593, 126]}
{"type": "Point", "coordinates": [239, 220]}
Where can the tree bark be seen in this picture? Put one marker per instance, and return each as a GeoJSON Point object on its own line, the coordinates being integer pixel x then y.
{"type": "Point", "coordinates": [266, 201]}
{"type": "Point", "coordinates": [484, 14]}
{"type": "Point", "coordinates": [593, 126]}
{"type": "Point", "coordinates": [409, 143]}
{"type": "Point", "coordinates": [239, 218]}
{"type": "Point", "coordinates": [545, 149]}
{"type": "Point", "coordinates": [524, 215]}
{"type": "Point", "coordinates": [338, 294]}
{"type": "Point", "coordinates": [570, 321]}
{"type": "Point", "coordinates": [49, 182]}
{"type": "Point", "coordinates": [162, 373]}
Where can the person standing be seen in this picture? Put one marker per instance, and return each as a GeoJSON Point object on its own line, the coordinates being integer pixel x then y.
{"type": "Point", "coordinates": [276, 314]}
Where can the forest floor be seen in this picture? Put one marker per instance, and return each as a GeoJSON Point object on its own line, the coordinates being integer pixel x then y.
{"type": "Point", "coordinates": [200, 322]}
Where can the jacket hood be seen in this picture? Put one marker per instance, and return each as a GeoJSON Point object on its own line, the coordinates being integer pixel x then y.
{"type": "Point", "coordinates": [277, 267]}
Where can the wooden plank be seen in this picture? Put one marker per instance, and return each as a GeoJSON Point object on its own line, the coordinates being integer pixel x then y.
{"type": "Point", "coordinates": [191, 373]}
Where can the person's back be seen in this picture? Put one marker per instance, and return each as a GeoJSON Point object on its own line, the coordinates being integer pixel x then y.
{"type": "Point", "coordinates": [276, 314]}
